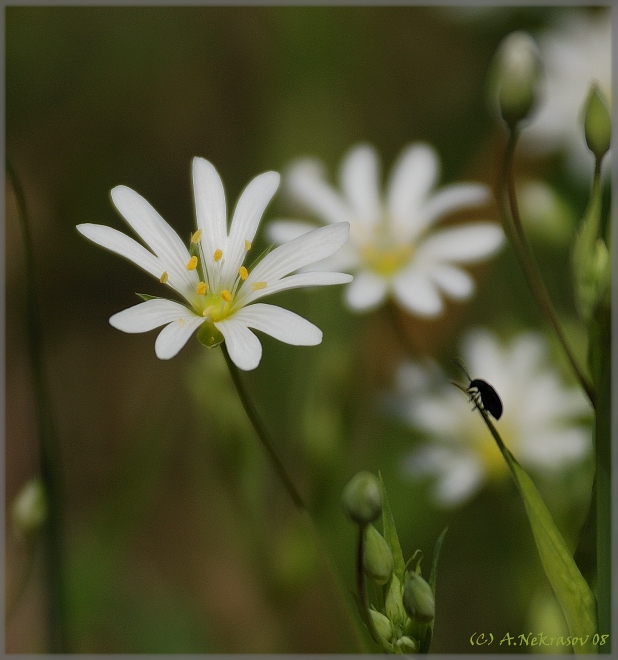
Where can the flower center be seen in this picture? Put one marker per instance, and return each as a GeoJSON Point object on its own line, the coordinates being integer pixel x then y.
{"type": "Point", "coordinates": [484, 444]}
{"type": "Point", "coordinates": [386, 258]}
{"type": "Point", "coordinates": [216, 307]}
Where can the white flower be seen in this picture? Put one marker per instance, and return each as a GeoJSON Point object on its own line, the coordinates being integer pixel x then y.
{"type": "Point", "coordinates": [393, 246]}
{"type": "Point", "coordinates": [221, 293]}
{"type": "Point", "coordinates": [541, 422]}
{"type": "Point", "coordinates": [575, 53]}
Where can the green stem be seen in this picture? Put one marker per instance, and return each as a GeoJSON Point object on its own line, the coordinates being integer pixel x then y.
{"type": "Point", "coordinates": [604, 486]}
{"type": "Point", "coordinates": [295, 496]}
{"type": "Point", "coordinates": [50, 461]}
{"type": "Point", "coordinates": [360, 585]}
{"type": "Point", "coordinates": [513, 227]}
{"type": "Point", "coordinates": [262, 433]}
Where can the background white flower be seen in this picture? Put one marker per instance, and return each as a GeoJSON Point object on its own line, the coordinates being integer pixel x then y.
{"type": "Point", "coordinates": [220, 291]}
{"type": "Point", "coordinates": [394, 247]}
{"type": "Point", "coordinates": [542, 423]}
{"type": "Point", "coordinates": [575, 53]}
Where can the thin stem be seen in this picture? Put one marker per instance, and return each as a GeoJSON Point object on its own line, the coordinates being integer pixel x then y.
{"type": "Point", "coordinates": [262, 433]}
{"type": "Point", "coordinates": [360, 584]}
{"type": "Point", "coordinates": [513, 227]}
{"type": "Point", "coordinates": [295, 496]}
{"type": "Point", "coordinates": [50, 462]}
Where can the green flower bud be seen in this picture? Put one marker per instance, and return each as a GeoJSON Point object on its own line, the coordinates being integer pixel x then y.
{"type": "Point", "coordinates": [393, 605]}
{"type": "Point", "coordinates": [517, 73]}
{"type": "Point", "coordinates": [362, 499]}
{"type": "Point", "coordinates": [418, 599]}
{"type": "Point", "coordinates": [406, 645]}
{"type": "Point", "coordinates": [597, 122]}
{"type": "Point", "coordinates": [382, 625]}
{"type": "Point", "coordinates": [29, 509]}
{"type": "Point", "coordinates": [378, 558]}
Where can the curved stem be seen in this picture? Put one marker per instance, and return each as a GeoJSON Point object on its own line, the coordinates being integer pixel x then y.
{"type": "Point", "coordinates": [50, 461]}
{"type": "Point", "coordinates": [290, 488]}
{"type": "Point", "coordinates": [513, 227]}
{"type": "Point", "coordinates": [262, 434]}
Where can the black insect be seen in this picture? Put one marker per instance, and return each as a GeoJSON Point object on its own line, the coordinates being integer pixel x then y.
{"type": "Point", "coordinates": [483, 394]}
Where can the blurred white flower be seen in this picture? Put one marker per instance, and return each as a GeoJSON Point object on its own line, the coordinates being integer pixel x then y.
{"type": "Point", "coordinates": [543, 422]}
{"type": "Point", "coordinates": [219, 290]}
{"type": "Point", "coordinates": [394, 247]}
{"type": "Point", "coordinates": [575, 53]}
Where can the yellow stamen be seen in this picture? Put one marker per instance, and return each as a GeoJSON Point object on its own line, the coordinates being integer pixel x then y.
{"type": "Point", "coordinates": [217, 255]}
{"type": "Point", "coordinates": [181, 322]}
{"type": "Point", "coordinates": [201, 288]}
{"type": "Point", "coordinates": [195, 238]}
{"type": "Point", "coordinates": [243, 273]}
{"type": "Point", "coordinates": [163, 279]}
{"type": "Point", "coordinates": [247, 245]}
{"type": "Point", "coordinates": [192, 265]}
{"type": "Point", "coordinates": [226, 295]}
{"type": "Point", "coordinates": [256, 286]}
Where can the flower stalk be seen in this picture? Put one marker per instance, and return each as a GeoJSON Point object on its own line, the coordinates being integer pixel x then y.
{"type": "Point", "coordinates": [514, 230]}
{"type": "Point", "coordinates": [49, 455]}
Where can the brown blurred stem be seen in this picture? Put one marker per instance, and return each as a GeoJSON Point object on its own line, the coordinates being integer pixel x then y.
{"type": "Point", "coordinates": [50, 462]}
{"type": "Point", "coordinates": [513, 227]}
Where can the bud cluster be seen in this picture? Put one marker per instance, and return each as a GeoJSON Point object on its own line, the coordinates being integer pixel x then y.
{"type": "Point", "coordinates": [405, 621]}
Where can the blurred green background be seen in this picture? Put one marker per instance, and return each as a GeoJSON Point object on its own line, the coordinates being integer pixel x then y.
{"type": "Point", "coordinates": [177, 537]}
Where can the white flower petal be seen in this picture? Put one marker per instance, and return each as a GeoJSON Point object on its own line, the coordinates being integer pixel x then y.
{"type": "Point", "coordinates": [149, 315]}
{"type": "Point", "coordinates": [280, 323]}
{"type": "Point", "coordinates": [302, 251]}
{"type": "Point", "coordinates": [243, 346]}
{"type": "Point", "coordinates": [173, 337]}
{"type": "Point", "coordinates": [453, 198]}
{"type": "Point", "coordinates": [366, 292]}
{"type": "Point", "coordinates": [417, 294]}
{"type": "Point", "coordinates": [124, 245]}
{"type": "Point", "coordinates": [210, 209]}
{"type": "Point", "coordinates": [359, 177]}
{"type": "Point", "coordinates": [554, 449]}
{"type": "Point", "coordinates": [413, 176]}
{"type": "Point", "coordinates": [150, 226]}
{"type": "Point", "coordinates": [453, 281]}
{"type": "Point", "coordinates": [465, 244]}
{"type": "Point", "coordinates": [305, 183]}
{"type": "Point", "coordinates": [247, 216]}
{"type": "Point", "coordinates": [301, 280]}
{"type": "Point", "coordinates": [282, 231]}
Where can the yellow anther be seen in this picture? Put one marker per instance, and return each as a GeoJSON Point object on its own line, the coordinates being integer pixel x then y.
{"type": "Point", "coordinates": [164, 277]}
{"type": "Point", "coordinates": [201, 288]}
{"type": "Point", "coordinates": [195, 238]}
{"type": "Point", "coordinates": [217, 255]}
{"type": "Point", "coordinates": [247, 245]}
{"type": "Point", "coordinates": [192, 265]}
{"type": "Point", "coordinates": [256, 286]}
{"type": "Point", "coordinates": [206, 312]}
{"type": "Point", "coordinates": [181, 322]}
{"type": "Point", "coordinates": [243, 273]}
{"type": "Point", "coordinates": [226, 295]}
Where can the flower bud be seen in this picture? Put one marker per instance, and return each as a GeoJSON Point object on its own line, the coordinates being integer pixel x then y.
{"type": "Point", "coordinates": [382, 625]}
{"type": "Point", "coordinates": [378, 558]}
{"type": "Point", "coordinates": [29, 509]}
{"type": "Point", "coordinates": [406, 644]}
{"type": "Point", "coordinates": [418, 599]}
{"type": "Point", "coordinates": [597, 122]}
{"type": "Point", "coordinates": [393, 605]}
{"type": "Point", "coordinates": [362, 499]}
{"type": "Point", "coordinates": [518, 70]}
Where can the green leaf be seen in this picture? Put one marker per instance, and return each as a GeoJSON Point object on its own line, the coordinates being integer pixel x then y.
{"type": "Point", "coordinates": [572, 591]}
{"type": "Point", "coordinates": [390, 534]}
{"type": "Point", "coordinates": [434, 562]}
{"type": "Point", "coordinates": [146, 297]}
